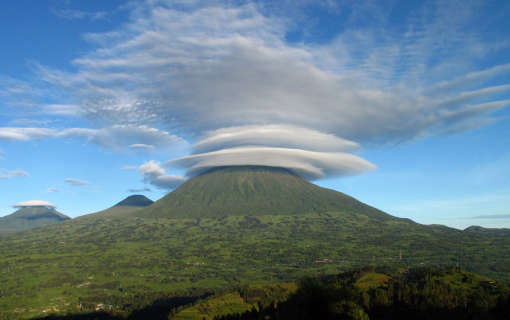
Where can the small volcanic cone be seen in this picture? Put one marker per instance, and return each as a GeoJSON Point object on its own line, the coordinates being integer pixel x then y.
{"type": "Point", "coordinates": [31, 214]}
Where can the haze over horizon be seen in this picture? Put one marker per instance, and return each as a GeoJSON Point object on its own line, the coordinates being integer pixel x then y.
{"type": "Point", "coordinates": [403, 106]}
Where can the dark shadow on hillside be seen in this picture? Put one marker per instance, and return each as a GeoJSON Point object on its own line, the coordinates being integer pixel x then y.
{"type": "Point", "coordinates": [159, 309]}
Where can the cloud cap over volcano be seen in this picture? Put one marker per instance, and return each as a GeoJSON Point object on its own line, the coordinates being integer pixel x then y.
{"type": "Point", "coordinates": [310, 165]}
{"type": "Point", "coordinates": [35, 203]}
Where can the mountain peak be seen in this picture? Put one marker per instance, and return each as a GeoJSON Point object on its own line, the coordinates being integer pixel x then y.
{"type": "Point", "coordinates": [136, 200]}
{"type": "Point", "coordinates": [125, 207]}
{"type": "Point", "coordinates": [253, 190]}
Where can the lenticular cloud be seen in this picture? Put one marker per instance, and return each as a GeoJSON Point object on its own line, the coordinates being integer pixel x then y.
{"type": "Point", "coordinates": [283, 136]}
{"type": "Point", "coordinates": [310, 154]}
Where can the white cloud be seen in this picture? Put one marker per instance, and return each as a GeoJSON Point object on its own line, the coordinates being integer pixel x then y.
{"type": "Point", "coordinates": [470, 79]}
{"type": "Point", "coordinates": [139, 190]}
{"type": "Point", "coordinates": [117, 137]}
{"type": "Point", "coordinates": [14, 174]}
{"type": "Point", "coordinates": [75, 14]}
{"type": "Point", "coordinates": [154, 174]}
{"type": "Point", "coordinates": [55, 190]}
{"type": "Point", "coordinates": [151, 168]}
{"type": "Point", "coordinates": [34, 203]}
{"type": "Point", "coordinates": [126, 167]}
{"type": "Point", "coordinates": [225, 75]}
{"type": "Point", "coordinates": [26, 134]}
{"type": "Point", "coordinates": [283, 136]}
{"type": "Point", "coordinates": [60, 109]}
{"type": "Point", "coordinates": [207, 68]}
{"type": "Point", "coordinates": [141, 146]}
{"type": "Point", "coordinates": [138, 138]}
{"type": "Point", "coordinates": [308, 164]}
{"type": "Point", "coordinates": [76, 182]}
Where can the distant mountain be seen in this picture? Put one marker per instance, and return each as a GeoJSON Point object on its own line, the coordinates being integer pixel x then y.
{"type": "Point", "coordinates": [127, 206]}
{"type": "Point", "coordinates": [29, 218]}
{"type": "Point", "coordinates": [492, 231]}
{"type": "Point", "coordinates": [253, 190]}
{"type": "Point", "coordinates": [136, 200]}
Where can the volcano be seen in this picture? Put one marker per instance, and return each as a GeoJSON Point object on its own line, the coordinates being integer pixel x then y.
{"type": "Point", "coordinates": [31, 217]}
{"type": "Point", "coordinates": [127, 206]}
{"type": "Point", "coordinates": [251, 191]}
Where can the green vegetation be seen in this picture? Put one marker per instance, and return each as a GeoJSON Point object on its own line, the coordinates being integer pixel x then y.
{"type": "Point", "coordinates": [29, 218]}
{"type": "Point", "coordinates": [158, 260]}
{"type": "Point", "coordinates": [132, 262]}
{"type": "Point", "coordinates": [242, 299]}
{"type": "Point", "coordinates": [422, 293]}
{"type": "Point", "coordinates": [253, 191]}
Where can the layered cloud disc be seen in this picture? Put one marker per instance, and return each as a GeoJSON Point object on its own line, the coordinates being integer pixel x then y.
{"type": "Point", "coordinates": [310, 165]}
{"type": "Point", "coordinates": [282, 136]}
{"type": "Point", "coordinates": [308, 153]}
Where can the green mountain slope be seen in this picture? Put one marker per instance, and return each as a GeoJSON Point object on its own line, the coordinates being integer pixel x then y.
{"type": "Point", "coordinates": [127, 206]}
{"type": "Point", "coordinates": [29, 218]}
{"type": "Point", "coordinates": [253, 190]}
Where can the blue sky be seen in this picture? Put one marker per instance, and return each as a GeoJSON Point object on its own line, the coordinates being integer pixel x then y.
{"type": "Point", "coordinates": [402, 105]}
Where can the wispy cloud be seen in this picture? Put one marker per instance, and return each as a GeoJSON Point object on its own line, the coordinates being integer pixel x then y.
{"type": "Point", "coordinates": [140, 190]}
{"type": "Point", "coordinates": [60, 109]}
{"type": "Point", "coordinates": [14, 174]}
{"type": "Point", "coordinates": [118, 137]}
{"type": "Point", "coordinates": [495, 216]}
{"type": "Point", "coordinates": [55, 190]}
{"type": "Point", "coordinates": [30, 122]}
{"type": "Point", "coordinates": [141, 146]}
{"type": "Point", "coordinates": [365, 85]}
{"type": "Point", "coordinates": [75, 14]}
{"type": "Point", "coordinates": [125, 167]}
{"type": "Point", "coordinates": [76, 182]}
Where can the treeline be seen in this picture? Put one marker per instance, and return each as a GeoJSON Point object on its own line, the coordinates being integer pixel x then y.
{"type": "Point", "coordinates": [417, 294]}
